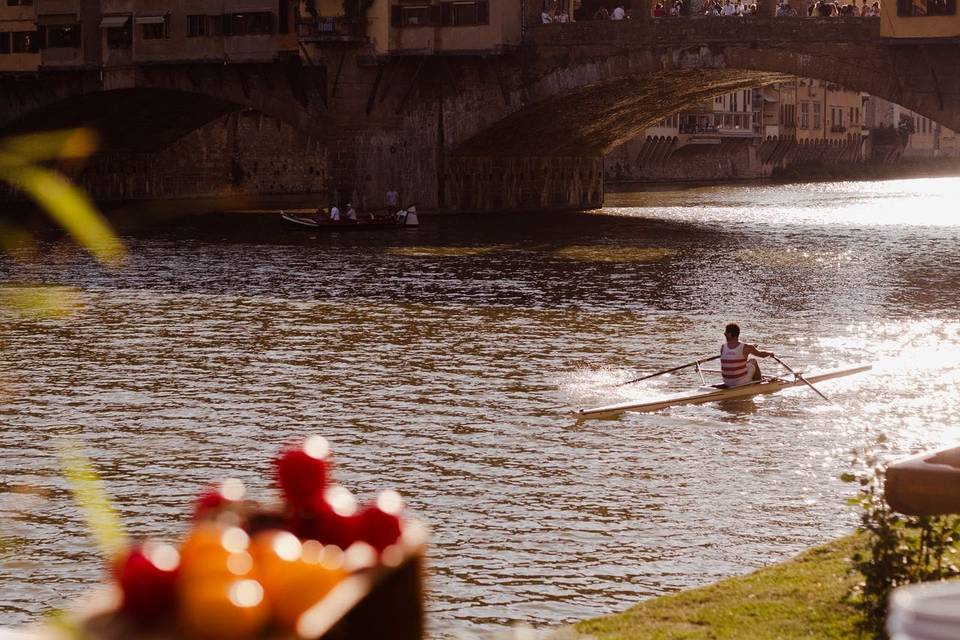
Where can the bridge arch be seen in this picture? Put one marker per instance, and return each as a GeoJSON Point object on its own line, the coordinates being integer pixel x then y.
{"type": "Point", "coordinates": [147, 108]}
{"type": "Point", "coordinates": [581, 89]}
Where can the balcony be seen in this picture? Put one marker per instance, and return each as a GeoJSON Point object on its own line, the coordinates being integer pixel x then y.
{"type": "Point", "coordinates": [694, 129]}
{"type": "Point", "coordinates": [838, 128]}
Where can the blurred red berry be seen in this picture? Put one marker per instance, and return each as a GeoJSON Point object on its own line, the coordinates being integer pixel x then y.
{"type": "Point", "coordinates": [379, 522]}
{"type": "Point", "coordinates": [331, 518]}
{"type": "Point", "coordinates": [148, 580]}
{"type": "Point", "coordinates": [302, 471]}
{"type": "Point", "coordinates": [230, 491]}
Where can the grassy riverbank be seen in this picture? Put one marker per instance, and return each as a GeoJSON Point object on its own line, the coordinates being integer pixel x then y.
{"type": "Point", "coordinates": [802, 598]}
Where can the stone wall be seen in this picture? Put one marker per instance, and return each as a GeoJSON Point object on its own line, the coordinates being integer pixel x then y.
{"type": "Point", "coordinates": [497, 184]}
{"type": "Point", "coordinates": [668, 159]}
{"type": "Point", "coordinates": [242, 153]}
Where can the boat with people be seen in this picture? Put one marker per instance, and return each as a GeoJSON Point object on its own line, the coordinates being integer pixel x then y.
{"type": "Point", "coordinates": [718, 392]}
{"type": "Point", "coordinates": [321, 219]}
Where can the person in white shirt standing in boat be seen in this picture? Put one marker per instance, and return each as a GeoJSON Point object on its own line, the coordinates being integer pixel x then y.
{"type": "Point", "coordinates": [351, 213]}
{"type": "Point", "coordinates": [334, 213]}
{"type": "Point", "coordinates": [735, 367]}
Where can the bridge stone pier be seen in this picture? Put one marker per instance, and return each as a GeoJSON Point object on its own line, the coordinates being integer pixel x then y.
{"type": "Point", "coordinates": [525, 129]}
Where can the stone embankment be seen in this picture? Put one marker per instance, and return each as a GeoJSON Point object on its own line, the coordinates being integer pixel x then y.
{"type": "Point", "coordinates": [680, 159]}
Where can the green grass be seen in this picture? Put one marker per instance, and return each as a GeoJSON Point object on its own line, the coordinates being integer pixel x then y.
{"type": "Point", "coordinates": [802, 598]}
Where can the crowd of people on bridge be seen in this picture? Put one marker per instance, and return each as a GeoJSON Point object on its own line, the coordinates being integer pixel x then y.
{"type": "Point", "coordinates": [552, 13]}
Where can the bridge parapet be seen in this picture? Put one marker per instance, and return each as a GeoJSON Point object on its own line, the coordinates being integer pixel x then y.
{"type": "Point", "coordinates": [695, 30]}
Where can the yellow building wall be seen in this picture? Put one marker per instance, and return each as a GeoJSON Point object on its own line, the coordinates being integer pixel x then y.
{"type": "Point", "coordinates": [894, 26]}
{"type": "Point", "coordinates": [840, 103]}
{"type": "Point", "coordinates": [813, 93]}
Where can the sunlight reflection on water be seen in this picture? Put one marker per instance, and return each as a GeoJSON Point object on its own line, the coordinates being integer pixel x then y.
{"type": "Point", "coordinates": [442, 362]}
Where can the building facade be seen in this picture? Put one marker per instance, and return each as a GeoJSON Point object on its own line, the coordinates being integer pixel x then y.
{"type": "Point", "coordinates": [920, 20]}
{"type": "Point", "coordinates": [64, 34]}
{"type": "Point", "coordinates": [19, 42]}
{"type": "Point", "coordinates": [918, 136]}
{"type": "Point", "coordinates": [414, 27]}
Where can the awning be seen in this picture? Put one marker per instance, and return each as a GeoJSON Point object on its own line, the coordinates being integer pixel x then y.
{"type": "Point", "coordinates": [58, 19]}
{"type": "Point", "coordinates": [113, 22]}
{"type": "Point", "coordinates": [150, 19]}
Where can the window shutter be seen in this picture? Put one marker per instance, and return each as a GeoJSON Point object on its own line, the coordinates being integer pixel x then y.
{"type": "Point", "coordinates": [483, 12]}
{"type": "Point", "coordinates": [436, 15]}
{"type": "Point", "coordinates": [41, 36]}
{"type": "Point", "coordinates": [446, 13]}
{"type": "Point", "coordinates": [4, 42]}
{"type": "Point", "coordinates": [283, 16]}
{"type": "Point", "coordinates": [227, 24]}
{"type": "Point", "coordinates": [396, 15]}
{"type": "Point", "coordinates": [35, 42]}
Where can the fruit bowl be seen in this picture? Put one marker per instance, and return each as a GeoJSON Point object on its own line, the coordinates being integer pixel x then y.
{"type": "Point", "coordinates": [375, 602]}
{"type": "Point", "coordinates": [313, 565]}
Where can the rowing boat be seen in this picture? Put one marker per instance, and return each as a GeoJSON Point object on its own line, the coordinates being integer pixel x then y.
{"type": "Point", "coordinates": [715, 394]}
{"type": "Point", "coordinates": [403, 218]}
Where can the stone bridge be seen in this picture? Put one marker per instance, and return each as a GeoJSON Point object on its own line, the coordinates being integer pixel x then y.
{"type": "Point", "coordinates": [521, 130]}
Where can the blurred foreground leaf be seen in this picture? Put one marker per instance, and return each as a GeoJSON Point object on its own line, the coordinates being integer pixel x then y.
{"type": "Point", "coordinates": [89, 494]}
{"type": "Point", "coordinates": [69, 206]}
{"type": "Point", "coordinates": [42, 301]}
{"type": "Point", "coordinates": [31, 148]}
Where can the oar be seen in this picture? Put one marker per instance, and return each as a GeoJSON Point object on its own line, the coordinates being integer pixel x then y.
{"type": "Point", "coordinates": [801, 379]}
{"type": "Point", "coordinates": [660, 373]}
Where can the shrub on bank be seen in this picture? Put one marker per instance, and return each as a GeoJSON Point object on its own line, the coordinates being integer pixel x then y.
{"type": "Point", "coordinates": [897, 549]}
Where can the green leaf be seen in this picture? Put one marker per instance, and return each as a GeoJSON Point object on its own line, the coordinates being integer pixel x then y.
{"type": "Point", "coordinates": [48, 145]}
{"type": "Point", "coordinates": [41, 301]}
{"type": "Point", "coordinates": [88, 492]}
{"type": "Point", "coordinates": [70, 207]}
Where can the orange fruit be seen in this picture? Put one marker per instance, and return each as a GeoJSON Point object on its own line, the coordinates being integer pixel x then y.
{"type": "Point", "coordinates": [215, 551]}
{"type": "Point", "coordinates": [220, 609]}
{"type": "Point", "coordinates": [295, 575]}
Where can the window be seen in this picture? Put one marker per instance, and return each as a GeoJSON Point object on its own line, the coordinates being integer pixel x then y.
{"type": "Point", "coordinates": [411, 15]}
{"type": "Point", "coordinates": [153, 27]}
{"type": "Point", "coordinates": [921, 8]}
{"type": "Point", "coordinates": [246, 24]}
{"type": "Point", "coordinates": [63, 35]}
{"type": "Point", "coordinates": [817, 121]}
{"type": "Point", "coordinates": [154, 31]}
{"type": "Point", "coordinates": [19, 42]}
{"type": "Point", "coordinates": [464, 13]}
{"type": "Point", "coordinates": [120, 37]}
{"type": "Point", "coordinates": [200, 25]}
{"type": "Point", "coordinates": [24, 42]}
{"type": "Point", "coordinates": [19, 3]}
{"type": "Point", "coordinates": [804, 115]}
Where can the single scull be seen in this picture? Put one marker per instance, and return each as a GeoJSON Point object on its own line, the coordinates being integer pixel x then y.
{"type": "Point", "coordinates": [715, 394]}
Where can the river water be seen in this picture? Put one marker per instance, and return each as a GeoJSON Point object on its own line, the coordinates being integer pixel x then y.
{"type": "Point", "coordinates": [441, 362]}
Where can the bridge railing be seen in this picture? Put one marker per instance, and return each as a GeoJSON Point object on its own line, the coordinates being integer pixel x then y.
{"type": "Point", "coordinates": [705, 30]}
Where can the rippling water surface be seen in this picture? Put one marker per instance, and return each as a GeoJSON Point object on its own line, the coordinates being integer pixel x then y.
{"type": "Point", "coordinates": [441, 361]}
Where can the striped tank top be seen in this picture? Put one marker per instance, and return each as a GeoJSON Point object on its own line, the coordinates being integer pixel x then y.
{"type": "Point", "coordinates": [733, 365]}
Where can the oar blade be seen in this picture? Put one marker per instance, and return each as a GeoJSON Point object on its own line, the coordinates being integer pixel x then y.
{"type": "Point", "coordinates": [802, 379]}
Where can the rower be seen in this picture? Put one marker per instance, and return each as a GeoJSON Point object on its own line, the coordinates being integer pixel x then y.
{"type": "Point", "coordinates": [334, 213]}
{"type": "Point", "coordinates": [735, 367]}
{"type": "Point", "coordinates": [351, 213]}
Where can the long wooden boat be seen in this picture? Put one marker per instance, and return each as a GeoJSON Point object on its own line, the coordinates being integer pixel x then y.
{"type": "Point", "coordinates": [360, 224]}
{"type": "Point", "coordinates": [715, 394]}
